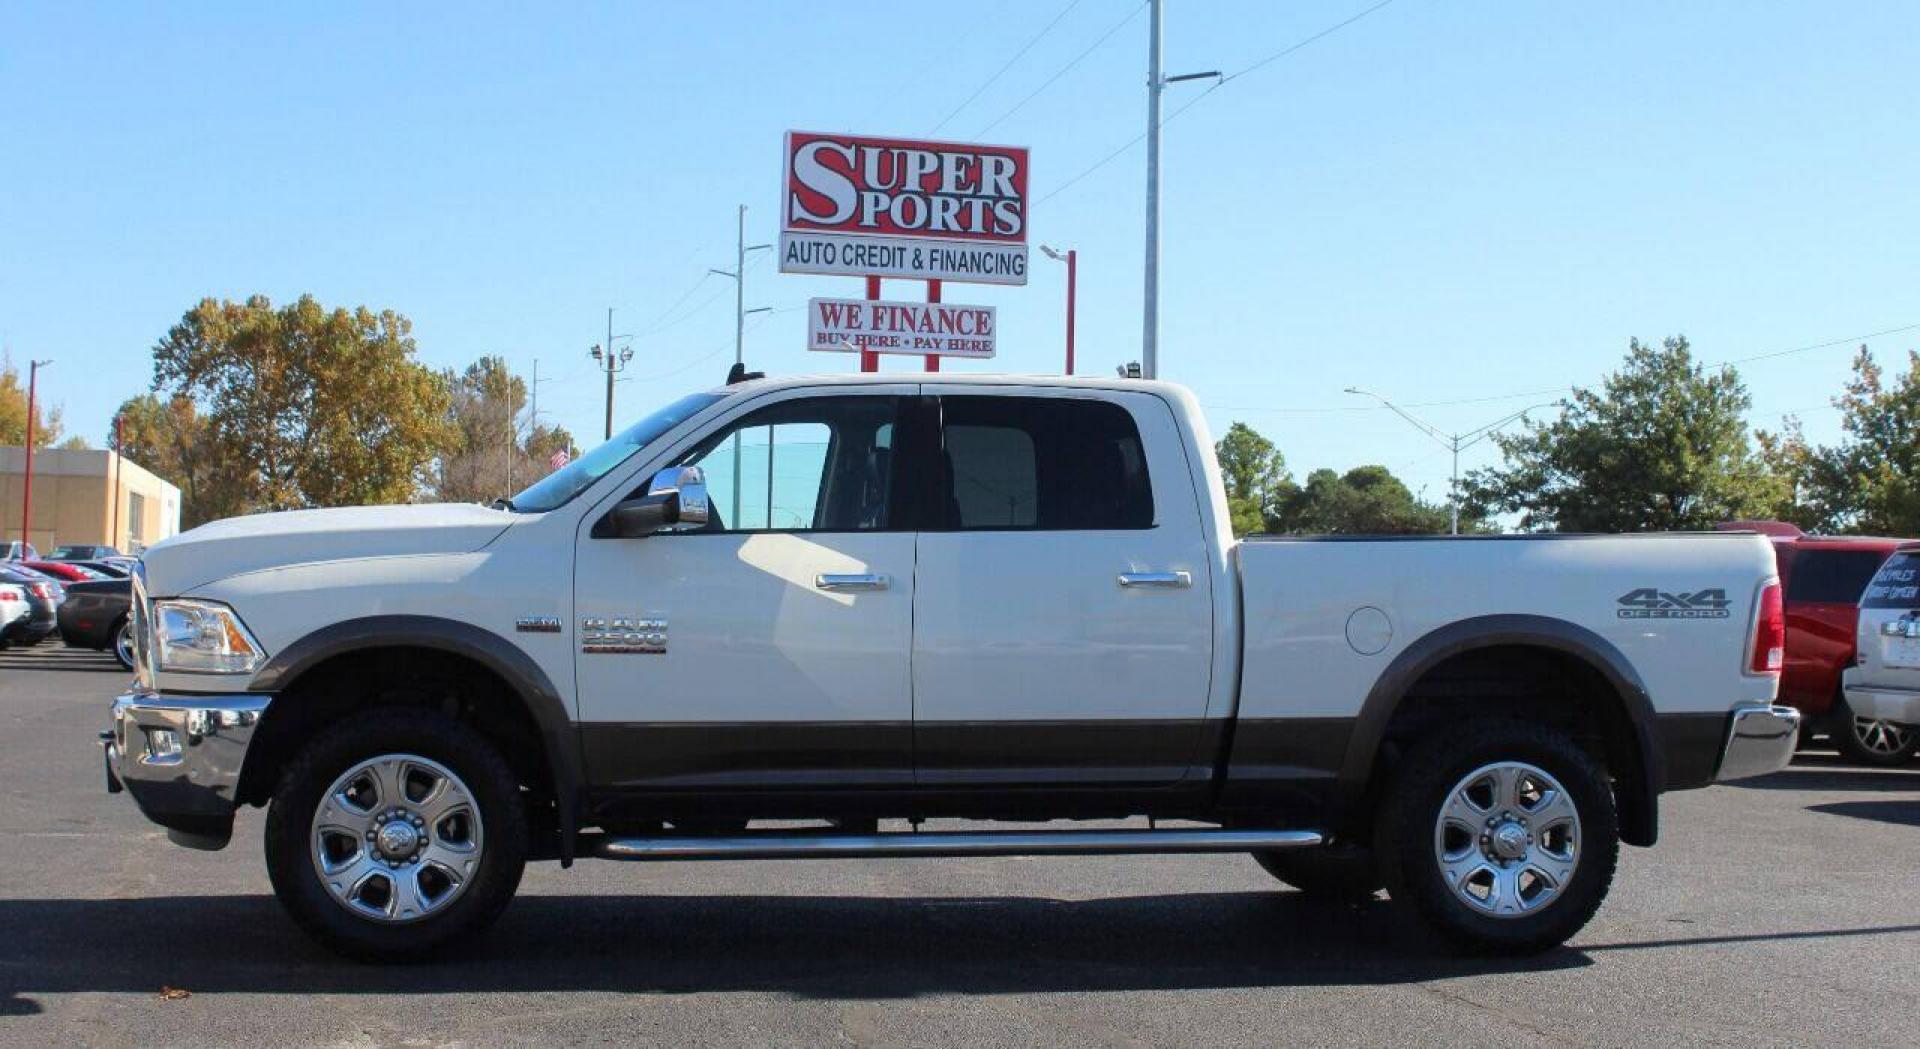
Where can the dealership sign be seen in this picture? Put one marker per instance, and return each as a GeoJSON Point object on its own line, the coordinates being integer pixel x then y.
{"type": "Point", "coordinates": [934, 329]}
{"type": "Point", "coordinates": [863, 206]}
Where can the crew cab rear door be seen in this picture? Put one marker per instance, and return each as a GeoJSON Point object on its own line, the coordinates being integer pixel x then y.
{"type": "Point", "coordinates": [1063, 614]}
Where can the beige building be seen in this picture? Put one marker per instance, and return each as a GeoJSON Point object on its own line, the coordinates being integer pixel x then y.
{"type": "Point", "coordinates": [75, 493]}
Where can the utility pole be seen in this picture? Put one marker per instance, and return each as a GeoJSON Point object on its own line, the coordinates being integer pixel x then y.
{"type": "Point", "coordinates": [740, 311]}
{"type": "Point", "coordinates": [1454, 442]}
{"type": "Point", "coordinates": [1156, 82]}
{"type": "Point", "coordinates": [611, 362]}
{"type": "Point", "coordinates": [1150, 309]}
{"type": "Point", "coordinates": [506, 377]}
{"type": "Point", "coordinates": [26, 493]}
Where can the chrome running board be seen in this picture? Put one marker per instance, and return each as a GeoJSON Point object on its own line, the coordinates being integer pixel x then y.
{"type": "Point", "coordinates": [804, 845]}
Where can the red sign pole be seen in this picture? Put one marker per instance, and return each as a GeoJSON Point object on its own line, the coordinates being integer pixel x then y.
{"type": "Point", "coordinates": [933, 295]}
{"type": "Point", "coordinates": [869, 360]}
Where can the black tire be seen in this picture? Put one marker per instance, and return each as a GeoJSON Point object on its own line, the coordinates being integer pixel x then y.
{"type": "Point", "coordinates": [119, 645]}
{"type": "Point", "coordinates": [1345, 875]}
{"type": "Point", "coordinates": [1877, 744]}
{"type": "Point", "coordinates": [289, 833]}
{"type": "Point", "coordinates": [1405, 837]}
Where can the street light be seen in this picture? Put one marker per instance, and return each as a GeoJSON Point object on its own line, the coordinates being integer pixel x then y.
{"type": "Point", "coordinates": [1452, 441]}
{"type": "Point", "coordinates": [1072, 259]}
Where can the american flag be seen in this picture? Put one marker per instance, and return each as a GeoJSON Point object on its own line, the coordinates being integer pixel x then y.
{"type": "Point", "coordinates": [558, 459]}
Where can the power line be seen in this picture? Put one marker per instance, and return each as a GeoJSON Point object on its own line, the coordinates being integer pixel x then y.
{"type": "Point", "coordinates": [1028, 46]}
{"type": "Point", "coordinates": [1062, 71]}
{"type": "Point", "coordinates": [1217, 85]}
{"type": "Point", "coordinates": [1330, 409]}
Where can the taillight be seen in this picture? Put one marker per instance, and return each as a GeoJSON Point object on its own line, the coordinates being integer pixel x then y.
{"type": "Point", "coordinates": [11, 594]}
{"type": "Point", "coordinates": [1770, 633]}
{"type": "Point", "coordinates": [43, 590]}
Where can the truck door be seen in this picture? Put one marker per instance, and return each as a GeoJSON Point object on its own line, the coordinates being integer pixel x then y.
{"type": "Point", "coordinates": [783, 626]}
{"type": "Point", "coordinates": [1063, 615]}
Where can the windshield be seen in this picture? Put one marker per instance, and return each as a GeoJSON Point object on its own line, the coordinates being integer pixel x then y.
{"type": "Point", "coordinates": [575, 477]}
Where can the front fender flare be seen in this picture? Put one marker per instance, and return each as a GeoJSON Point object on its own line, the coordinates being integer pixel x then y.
{"type": "Point", "coordinates": [559, 737]}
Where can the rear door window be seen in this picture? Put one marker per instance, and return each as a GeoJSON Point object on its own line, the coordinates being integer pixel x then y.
{"type": "Point", "coordinates": [1831, 576]}
{"type": "Point", "coordinates": [1049, 463]}
{"type": "Point", "coordinates": [1895, 585]}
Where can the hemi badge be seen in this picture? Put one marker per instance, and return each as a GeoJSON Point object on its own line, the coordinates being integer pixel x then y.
{"type": "Point", "coordinates": [537, 624]}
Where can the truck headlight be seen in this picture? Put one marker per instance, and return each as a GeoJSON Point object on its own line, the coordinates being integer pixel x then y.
{"type": "Point", "coordinates": [203, 637]}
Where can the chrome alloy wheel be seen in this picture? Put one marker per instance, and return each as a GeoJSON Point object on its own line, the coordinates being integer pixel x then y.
{"type": "Point", "coordinates": [123, 645]}
{"type": "Point", "coordinates": [1507, 839]}
{"type": "Point", "coordinates": [397, 838]}
{"type": "Point", "coordinates": [1881, 738]}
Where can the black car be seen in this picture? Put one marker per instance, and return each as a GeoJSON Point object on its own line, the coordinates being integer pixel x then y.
{"type": "Point", "coordinates": [82, 552]}
{"type": "Point", "coordinates": [43, 603]}
{"type": "Point", "coordinates": [94, 615]}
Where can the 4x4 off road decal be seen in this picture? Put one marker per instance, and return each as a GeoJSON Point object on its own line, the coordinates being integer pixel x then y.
{"type": "Point", "coordinates": [1651, 603]}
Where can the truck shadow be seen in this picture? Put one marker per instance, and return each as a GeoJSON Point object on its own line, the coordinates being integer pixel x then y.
{"type": "Point", "coordinates": [825, 947]}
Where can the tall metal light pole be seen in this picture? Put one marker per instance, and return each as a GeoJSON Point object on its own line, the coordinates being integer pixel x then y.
{"type": "Point", "coordinates": [26, 492]}
{"type": "Point", "coordinates": [1072, 258]}
{"type": "Point", "coordinates": [1452, 441]}
{"type": "Point", "coordinates": [1150, 306]}
{"type": "Point", "coordinates": [740, 311]}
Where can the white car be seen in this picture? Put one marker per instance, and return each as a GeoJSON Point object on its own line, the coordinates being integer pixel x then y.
{"type": "Point", "coordinates": [13, 609]}
{"type": "Point", "coordinates": [885, 597]}
{"type": "Point", "coordinates": [1884, 683]}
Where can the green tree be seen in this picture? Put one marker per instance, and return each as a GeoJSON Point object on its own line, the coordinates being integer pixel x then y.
{"type": "Point", "coordinates": [1662, 445]}
{"type": "Point", "coordinates": [302, 406]}
{"type": "Point", "coordinates": [1255, 473]}
{"type": "Point", "coordinates": [487, 409]}
{"type": "Point", "coordinates": [13, 411]}
{"type": "Point", "coordinates": [1366, 500]}
{"type": "Point", "coordinates": [1870, 481]}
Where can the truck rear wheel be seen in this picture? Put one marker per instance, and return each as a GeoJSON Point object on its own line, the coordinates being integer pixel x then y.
{"type": "Point", "coordinates": [395, 833]}
{"type": "Point", "coordinates": [1501, 834]}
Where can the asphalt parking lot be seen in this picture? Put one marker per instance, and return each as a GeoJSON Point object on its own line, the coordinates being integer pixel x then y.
{"type": "Point", "coordinates": [1778, 912]}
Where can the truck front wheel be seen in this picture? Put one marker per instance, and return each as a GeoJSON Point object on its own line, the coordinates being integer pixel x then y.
{"type": "Point", "coordinates": [1501, 833]}
{"type": "Point", "coordinates": [395, 833]}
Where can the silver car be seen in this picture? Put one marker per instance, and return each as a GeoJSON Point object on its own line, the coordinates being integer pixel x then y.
{"type": "Point", "coordinates": [1884, 683]}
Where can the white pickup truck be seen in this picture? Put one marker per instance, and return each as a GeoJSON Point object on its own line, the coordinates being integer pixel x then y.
{"type": "Point", "coordinates": [769, 616]}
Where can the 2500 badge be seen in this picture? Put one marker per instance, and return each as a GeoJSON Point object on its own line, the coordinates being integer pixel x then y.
{"type": "Point", "coordinates": [1652, 603]}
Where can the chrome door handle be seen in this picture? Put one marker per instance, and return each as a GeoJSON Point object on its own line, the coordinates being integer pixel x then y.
{"type": "Point", "coordinates": [1157, 580]}
{"type": "Point", "coordinates": [838, 582]}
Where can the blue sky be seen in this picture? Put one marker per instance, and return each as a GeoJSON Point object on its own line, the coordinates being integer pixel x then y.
{"type": "Point", "coordinates": [1445, 201]}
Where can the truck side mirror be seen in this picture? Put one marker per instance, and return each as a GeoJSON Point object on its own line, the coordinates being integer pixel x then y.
{"type": "Point", "coordinates": [676, 501]}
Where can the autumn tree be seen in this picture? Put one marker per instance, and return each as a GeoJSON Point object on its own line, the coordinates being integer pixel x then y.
{"type": "Point", "coordinates": [169, 439]}
{"type": "Point", "coordinates": [302, 406]}
{"type": "Point", "coordinates": [1661, 445]}
{"type": "Point", "coordinates": [1254, 472]}
{"type": "Point", "coordinates": [47, 424]}
{"type": "Point", "coordinates": [497, 450]}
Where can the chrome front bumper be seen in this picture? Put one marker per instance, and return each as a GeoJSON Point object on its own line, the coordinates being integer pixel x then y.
{"type": "Point", "coordinates": [1885, 704]}
{"type": "Point", "coordinates": [1762, 740]}
{"type": "Point", "coordinates": [180, 757]}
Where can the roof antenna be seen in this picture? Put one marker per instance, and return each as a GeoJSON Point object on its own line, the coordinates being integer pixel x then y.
{"type": "Point", "coordinates": [739, 374]}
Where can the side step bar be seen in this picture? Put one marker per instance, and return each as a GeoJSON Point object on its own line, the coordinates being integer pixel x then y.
{"type": "Point", "coordinates": [804, 845]}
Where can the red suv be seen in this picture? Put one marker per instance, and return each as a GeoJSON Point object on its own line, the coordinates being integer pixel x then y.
{"type": "Point", "coordinates": [1823, 577]}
